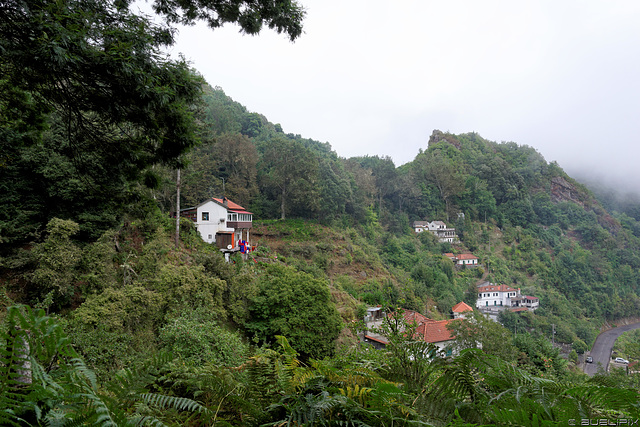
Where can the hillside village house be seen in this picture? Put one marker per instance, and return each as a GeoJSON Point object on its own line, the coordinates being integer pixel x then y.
{"type": "Point", "coordinates": [461, 309]}
{"type": "Point", "coordinates": [438, 229]}
{"type": "Point", "coordinates": [493, 296]}
{"type": "Point", "coordinates": [428, 330]}
{"type": "Point", "coordinates": [463, 260]}
{"type": "Point", "coordinates": [222, 222]}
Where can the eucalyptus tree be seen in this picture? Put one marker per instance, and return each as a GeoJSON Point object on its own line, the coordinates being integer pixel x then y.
{"type": "Point", "coordinates": [436, 168]}
{"type": "Point", "coordinates": [290, 171]}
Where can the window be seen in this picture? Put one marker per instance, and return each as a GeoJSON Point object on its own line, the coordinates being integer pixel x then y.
{"type": "Point", "coordinates": [205, 216]}
{"type": "Point", "coordinates": [210, 236]}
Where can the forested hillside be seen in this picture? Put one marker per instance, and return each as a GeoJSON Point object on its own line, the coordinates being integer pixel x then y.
{"type": "Point", "coordinates": [333, 237]}
{"type": "Point", "coordinates": [112, 320]}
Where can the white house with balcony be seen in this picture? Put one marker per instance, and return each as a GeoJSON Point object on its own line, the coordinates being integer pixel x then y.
{"type": "Point", "coordinates": [221, 221]}
{"type": "Point", "coordinates": [491, 295]}
{"type": "Point", "coordinates": [526, 301]}
{"type": "Point", "coordinates": [497, 297]}
{"type": "Point", "coordinates": [437, 228]}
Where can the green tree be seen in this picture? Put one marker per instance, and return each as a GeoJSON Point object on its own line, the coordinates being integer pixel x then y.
{"type": "Point", "coordinates": [478, 331]}
{"type": "Point", "coordinates": [384, 174]}
{"type": "Point", "coordinates": [196, 339]}
{"type": "Point", "coordinates": [477, 200]}
{"type": "Point", "coordinates": [298, 306]}
{"type": "Point", "coordinates": [237, 156]}
{"type": "Point", "coordinates": [437, 169]}
{"type": "Point", "coordinates": [579, 346]}
{"type": "Point", "coordinates": [226, 167]}
{"type": "Point", "coordinates": [94, 72]}
{"type": "Point", "coordinates": [291, 169]}
{"type": "Point", "coordinates": [57, 258]}
{"type": "Point", "coordinates": [282, 16]}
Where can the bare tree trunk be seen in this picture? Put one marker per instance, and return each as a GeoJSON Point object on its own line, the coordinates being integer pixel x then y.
{"type": "Point", "coordinates": [282, 204]}
{"type": "Point", "coordinates": [21, 350]}
{"type": "Point", "coordinates": [178, 209]}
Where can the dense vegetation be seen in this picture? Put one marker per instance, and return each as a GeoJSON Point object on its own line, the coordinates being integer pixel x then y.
{"type": "Point", "coordinates": [121, 326]}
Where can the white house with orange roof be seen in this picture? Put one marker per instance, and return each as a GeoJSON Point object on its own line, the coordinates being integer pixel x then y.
{"type": "Point", "coordinates": [221, 221]}
{"type": "Point", "coordinates": [467, 260]}
{"type": "Point", "coordinates": [432, 331]}
{"type": "Point", "coordinates": [492, 295]}
{"type": "Point", "coordinates": [462, 260]}
{"type": "Point", "coordinates": [437, 333]}
{"type": "Point", "coordinates": [461, 309]}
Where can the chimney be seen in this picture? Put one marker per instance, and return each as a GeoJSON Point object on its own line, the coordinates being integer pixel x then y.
{"type": "Point", "coordinates": [225, 201]}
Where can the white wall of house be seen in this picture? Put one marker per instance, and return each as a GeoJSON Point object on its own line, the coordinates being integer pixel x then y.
{"type": "Point", "coordinates": [438, 229]}
{"type": "Point", "coordinates": [211, 218]}
{"type": "Point", "coordinates": [436, 225]}
{"type": "Point", "coordinates": [494, 298]}
{"type": "Point", "coordinates": [420, 226]}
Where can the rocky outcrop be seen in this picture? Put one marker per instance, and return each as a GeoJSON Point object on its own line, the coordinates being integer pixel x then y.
{"type": "Point", "coordinates": [439, 136]}
{"type": "Point", "coordinates": [564, 191]}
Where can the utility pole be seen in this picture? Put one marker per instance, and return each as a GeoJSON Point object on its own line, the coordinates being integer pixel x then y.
{"type": "Point", "coordinates": [178, 209]}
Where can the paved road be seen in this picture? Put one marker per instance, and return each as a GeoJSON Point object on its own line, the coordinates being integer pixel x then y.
{"type": "Point", "coordinates": [601, 351]}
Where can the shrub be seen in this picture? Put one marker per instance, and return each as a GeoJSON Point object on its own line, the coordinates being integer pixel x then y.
{"type": "Point", "coordinates": [199, 341]}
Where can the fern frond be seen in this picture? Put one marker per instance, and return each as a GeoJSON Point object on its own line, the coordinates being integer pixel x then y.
{"type": "Point", "coordinates": [602, 400]}
{"type": "Point", "coordinates": [173, 402]}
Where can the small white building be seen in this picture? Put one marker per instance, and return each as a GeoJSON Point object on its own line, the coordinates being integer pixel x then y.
{"type": "Point", "coordinates": [467, 260]}
{"type": "Point", "coordinates": [463, 260]}
{"type": "Point", "coordinates": [461, 309]}
{"type": "Point", "coordinates": [437, 228]}
{"type": "Point", "coordinates": [221, 221]}
{"type": "Point", "coordinates": [526, 301]}
{"type": "Point", "coordinates": [490, 295]}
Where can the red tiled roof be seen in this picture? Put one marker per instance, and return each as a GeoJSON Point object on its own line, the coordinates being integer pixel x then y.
{"type": "Point", "coordinates": [467, 256]}
{"type": "Point", "coordinates": [380, 340]}
{"type": "Point", "coordinates": [449, 255]}
{"type": "Point", "coordinates": [461, 307]}
{"type": "Point", "coordinates": [432, 331]}
{"type": "Point", "coordinates": [411, 316]}
{"type": "Point", "coordinates": [519, 309]}
{"type": "Point", "coordinates": [500, 288]}
{"type": "Point", "coordinates": [435, 331]}
{"type": "Point", "coordinates": [232, 206]}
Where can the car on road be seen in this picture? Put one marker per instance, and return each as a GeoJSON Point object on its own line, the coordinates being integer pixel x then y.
{"type": "Point", "coordinates": [589, 359]}
{"type": "Point", "coordinates": [621, 360]}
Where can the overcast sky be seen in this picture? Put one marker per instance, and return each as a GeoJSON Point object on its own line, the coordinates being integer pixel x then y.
{"type": "Point", "coordinates": [376, 77]}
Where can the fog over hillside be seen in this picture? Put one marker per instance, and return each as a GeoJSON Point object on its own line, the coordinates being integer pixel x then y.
{"type": "Point", "coordinates": [374, 77]}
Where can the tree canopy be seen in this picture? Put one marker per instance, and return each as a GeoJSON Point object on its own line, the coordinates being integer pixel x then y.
{"type": "Point", "coordinates": [89, 102]}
